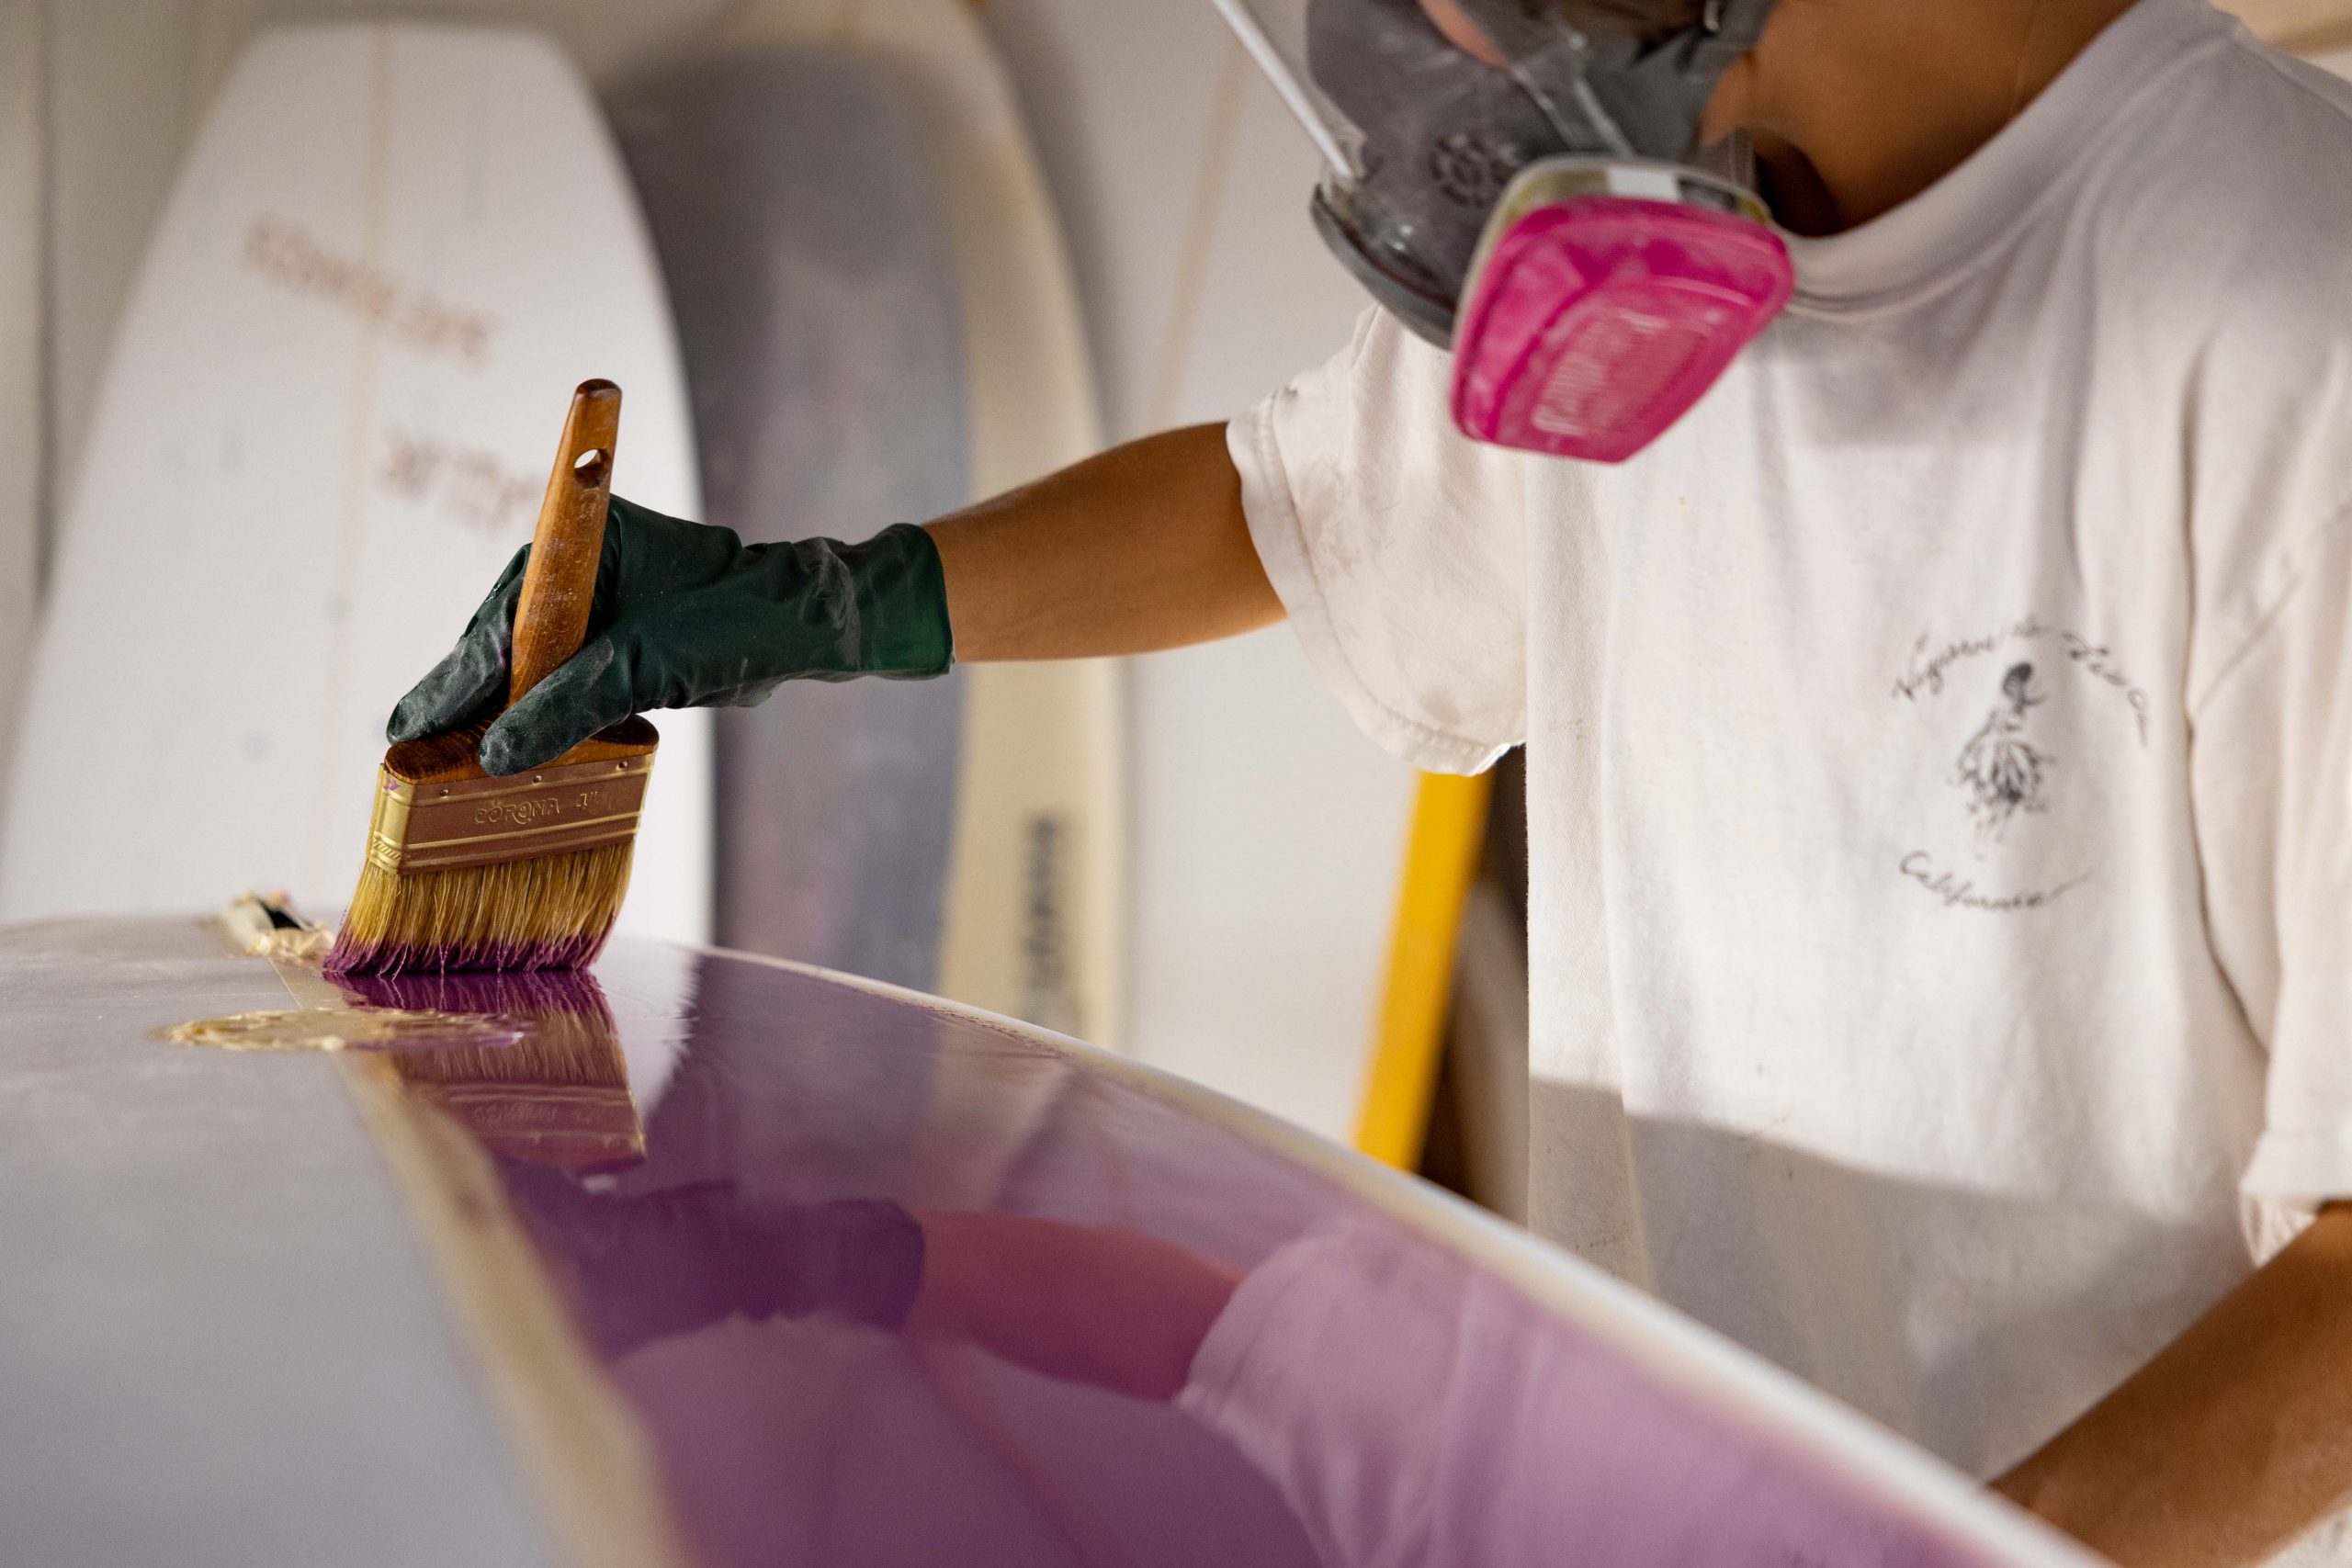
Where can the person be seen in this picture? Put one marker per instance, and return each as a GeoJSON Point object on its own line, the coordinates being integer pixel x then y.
{"type": "Point", "coordinates": [2026, 1142]}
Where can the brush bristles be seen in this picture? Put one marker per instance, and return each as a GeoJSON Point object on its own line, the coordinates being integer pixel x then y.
{"type": "Point", "coordinates": [551, 913]}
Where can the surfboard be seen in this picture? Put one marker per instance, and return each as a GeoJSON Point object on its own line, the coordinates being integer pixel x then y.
{"type": "Point", "coordinates": [810, 267]}
{"type": "Point", "coordinates": [325, 422]}
{"type": "Point", "coordinates": [24, 245]}
{"type": "Point", "coordinates": [275, 1344]}
{"type": "Point", "coordinates": [1032, 905]}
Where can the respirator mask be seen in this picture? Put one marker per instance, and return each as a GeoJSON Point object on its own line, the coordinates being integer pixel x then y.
{"type": "Point", "coordinates": [1542, 218]}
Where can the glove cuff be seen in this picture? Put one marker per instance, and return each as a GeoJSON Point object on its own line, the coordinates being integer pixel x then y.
{"type": "Point", "coordinates": [903, 631]}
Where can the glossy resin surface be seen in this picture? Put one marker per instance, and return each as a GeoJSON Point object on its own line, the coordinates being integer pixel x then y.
{"type": "Point", "coordinates": [883, 1281]}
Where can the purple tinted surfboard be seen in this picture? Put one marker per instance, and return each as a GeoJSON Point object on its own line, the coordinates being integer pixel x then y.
{"type": "Point", "coordinates": [874, 1280]}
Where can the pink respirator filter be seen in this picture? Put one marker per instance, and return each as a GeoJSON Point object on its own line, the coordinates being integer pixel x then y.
{"type": "Point", "coordinates": [1595, 322]}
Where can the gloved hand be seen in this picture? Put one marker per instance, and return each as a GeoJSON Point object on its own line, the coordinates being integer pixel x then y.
{"type": "Point", "coordinates": [688, 615]}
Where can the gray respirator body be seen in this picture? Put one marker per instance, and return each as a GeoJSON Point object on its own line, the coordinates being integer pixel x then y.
{"type": "Point", "coordinates": [1551, 221]}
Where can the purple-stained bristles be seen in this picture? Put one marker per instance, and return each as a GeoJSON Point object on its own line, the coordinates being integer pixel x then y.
{"type": "Point", "coordinates": [352, 957]}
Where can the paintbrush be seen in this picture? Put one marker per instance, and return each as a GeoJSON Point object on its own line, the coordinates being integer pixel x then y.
{"type": "Point", "coordinates": [558, 1096]}
{"type": "Point", "coordinates": [465, 871]}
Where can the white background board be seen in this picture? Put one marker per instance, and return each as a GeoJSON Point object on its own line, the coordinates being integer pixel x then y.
{"type": "Point", "coordinates": [21, 410]}
{"type": "Point", "coordinates": [325, 425]}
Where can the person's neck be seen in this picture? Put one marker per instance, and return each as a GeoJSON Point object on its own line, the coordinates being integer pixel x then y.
{"type": "Point", "coordinates": [1857, 106]}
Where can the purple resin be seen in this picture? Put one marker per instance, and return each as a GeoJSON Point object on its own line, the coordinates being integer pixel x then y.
{"type": "Point", "coordinates": [520, 993]}
{"type": "Point", "coordinates": [389, 958]}
{"type": "Point", "coordinates": [896, 1285]}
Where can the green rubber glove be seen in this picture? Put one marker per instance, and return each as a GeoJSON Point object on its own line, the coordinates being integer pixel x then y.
{"type": "Point", "coordinates": [688, 615]}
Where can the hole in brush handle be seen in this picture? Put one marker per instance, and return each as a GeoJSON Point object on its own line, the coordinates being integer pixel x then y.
{"type": "Point", "coordinates": [591, 469]}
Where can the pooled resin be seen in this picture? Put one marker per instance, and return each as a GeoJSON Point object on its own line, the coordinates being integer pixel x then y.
{"type": "Point", "coordinates": [347, 1029]}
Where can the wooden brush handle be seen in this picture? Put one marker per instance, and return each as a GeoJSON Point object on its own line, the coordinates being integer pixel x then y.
{"type": "Point", "coordinates": [559, 585]}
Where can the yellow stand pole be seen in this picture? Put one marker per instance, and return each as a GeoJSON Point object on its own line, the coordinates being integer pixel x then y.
{"type": "Point", "coordinates": [1441, 860]}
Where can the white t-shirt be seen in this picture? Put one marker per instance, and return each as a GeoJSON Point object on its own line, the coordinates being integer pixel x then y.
{"type": "Point", "coordinates": [1939, 746]}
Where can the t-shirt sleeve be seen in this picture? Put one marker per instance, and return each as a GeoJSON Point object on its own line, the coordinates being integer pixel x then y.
{"type": "Point", "coordinates": [1396, 543]}
{"type": "Point", "coordinates": [2271, 776]}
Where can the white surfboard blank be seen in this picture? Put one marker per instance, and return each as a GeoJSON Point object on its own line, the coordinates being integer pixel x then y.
{"type": "Point", "coordinates": [325, 425]}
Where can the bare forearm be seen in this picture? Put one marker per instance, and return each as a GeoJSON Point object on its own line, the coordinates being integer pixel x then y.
{"type": "Point", "coordinates": [1140, 548]}
{"type": "Point", "coordinates": [2233, 1440]}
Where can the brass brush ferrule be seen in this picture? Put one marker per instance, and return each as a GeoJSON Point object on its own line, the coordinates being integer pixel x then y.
{"type": "Point", "coordinates": [483, 822]}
